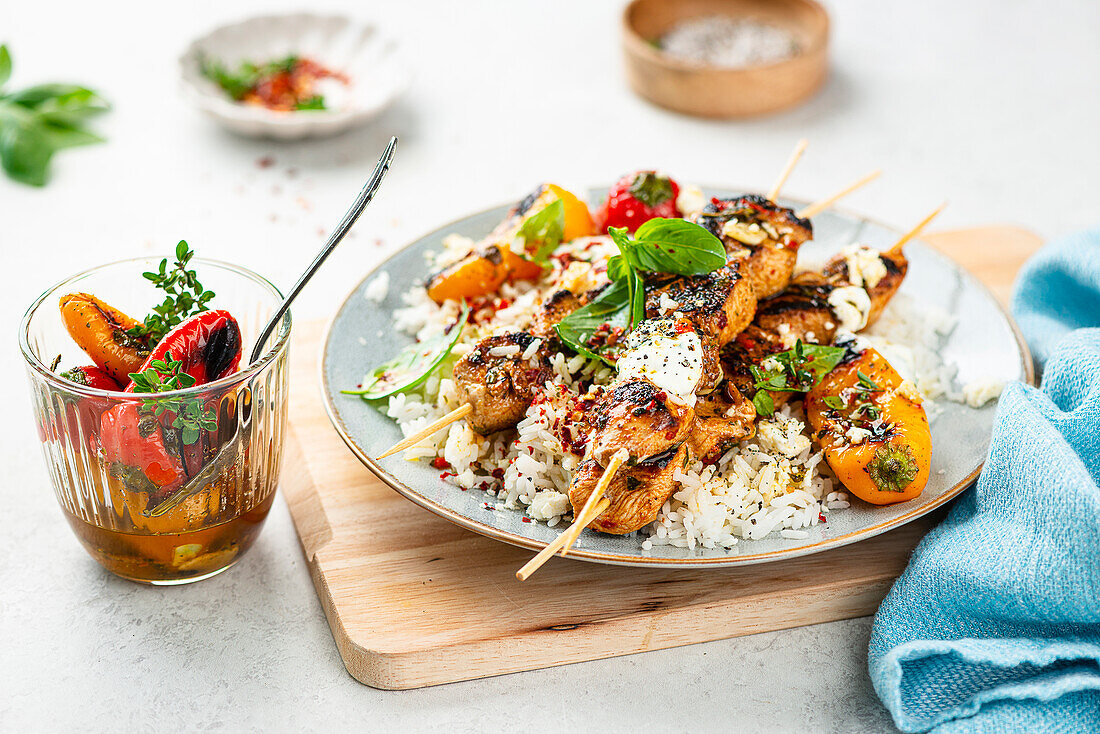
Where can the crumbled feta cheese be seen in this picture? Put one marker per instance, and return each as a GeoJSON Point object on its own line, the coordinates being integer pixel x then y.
{"type": "Point", "coordinates": [750, 234]}
{"type": "Point", "coordinates": [856, 435]}
{"type": "Point", "coordinates": [578, 277]}
{"type": "Point", "coordinates": [785, 336]}
{"type": "Point", "coordinates": [690, 200]}
{"type": "Point", "coordinates": [850, 305]}
{"type": "Point", "coordinates": [910, 392]}
{"type": "Point", "coordinates": [979, 392]}
{"type": "Point", "coordinates": [667, 305]}
{"type": "Point", "coordinates": [547, 504]}
{"type": "Point", "coordinates": [783, 436]}
{"type": "Point", "coordinates": [771, 364]}
{"type": "Point", "coordinates": [378, 288]}
{"type": "Point", "coordinates": [865, 266]}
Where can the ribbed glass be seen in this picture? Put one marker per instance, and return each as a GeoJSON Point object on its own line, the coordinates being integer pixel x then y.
{"type": "Point", "coordinates": [140, 532]}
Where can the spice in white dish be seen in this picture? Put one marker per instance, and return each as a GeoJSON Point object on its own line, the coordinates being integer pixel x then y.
{"type": "Point", "coordinates": [719, 40]}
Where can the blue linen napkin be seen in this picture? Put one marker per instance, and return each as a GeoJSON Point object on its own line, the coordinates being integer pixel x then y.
{"type": "Point", "coordinates": [995, 624]}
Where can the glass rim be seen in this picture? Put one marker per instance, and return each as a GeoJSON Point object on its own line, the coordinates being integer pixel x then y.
{"type": "Point", "coordinates": [231, 380]}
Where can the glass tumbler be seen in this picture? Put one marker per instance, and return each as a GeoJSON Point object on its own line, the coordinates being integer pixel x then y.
{"type": "Point", "coordinates": [147, 502]}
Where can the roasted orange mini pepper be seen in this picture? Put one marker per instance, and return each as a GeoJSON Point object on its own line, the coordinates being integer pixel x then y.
{"type": "Point", "coordinates": [873, 429]}
{"type": "Point", "coordinates": [485, 269]}
{"type": "Point", "coordinates": [100, 330]}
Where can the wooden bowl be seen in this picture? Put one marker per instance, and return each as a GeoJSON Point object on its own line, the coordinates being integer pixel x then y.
{"type": "Point", "coordinates": [709, 91]}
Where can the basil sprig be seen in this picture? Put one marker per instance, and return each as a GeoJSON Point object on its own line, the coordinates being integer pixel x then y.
{"type": "Point", "coordinates": [660, 245]}
{"type": "Point", "coordinates": [38, 121]}
{"type": "Point", "coordinates": [670, 246]}
{"type": "Point", "coordinates": [798, 370]}
{"type": "Point", "coordinates": [543, 231]}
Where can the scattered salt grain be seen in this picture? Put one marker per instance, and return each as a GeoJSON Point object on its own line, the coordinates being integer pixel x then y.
{"type": "Point", "coordinates": [719, 40]}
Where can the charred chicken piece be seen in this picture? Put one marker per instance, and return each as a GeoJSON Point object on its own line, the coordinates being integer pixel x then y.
{"type": "Point", "coordinates": [499, 382]}
{"type": "Point", "coordinates": [720, 304]}
{"type": "Point", "coordinates": [881, 282]}
{"type": "Point", "coordinates": [721, 419]}
{"type": "Point", "coordinates": [637, 493]}
{"type": "Point", "coordinates": [802, 310]}
{"type": "Point", "coordinates": [555, 308]}
{"type": "Point", "coordinates": [764, 236]}
{"type": "Point", "coordinates": [638, 416]}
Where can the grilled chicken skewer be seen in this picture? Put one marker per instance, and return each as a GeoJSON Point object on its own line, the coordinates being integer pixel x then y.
{"type": "Point", "coordinates": [850, 292]}
{"type": "Point", "coordinates": [766, 269]}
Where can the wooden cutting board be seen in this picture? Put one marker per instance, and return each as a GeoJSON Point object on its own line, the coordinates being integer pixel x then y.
{"type": "Point", "coordinates": [413, 600]}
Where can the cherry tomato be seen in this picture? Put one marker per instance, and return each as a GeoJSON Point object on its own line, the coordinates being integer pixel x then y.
{"type": "Point", "coordinates": [636, 198]}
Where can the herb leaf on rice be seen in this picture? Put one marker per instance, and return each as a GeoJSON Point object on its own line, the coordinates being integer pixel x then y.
{"type": "Point", "coordinates": [543, 231]}
{"type": "Point", "coordinates": [414, 364]}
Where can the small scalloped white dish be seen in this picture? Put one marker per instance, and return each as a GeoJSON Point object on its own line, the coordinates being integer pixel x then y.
{"type": "Point", "coordinates": [377, 74]}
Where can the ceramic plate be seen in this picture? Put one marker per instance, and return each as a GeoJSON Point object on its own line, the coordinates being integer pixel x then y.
{"type": "Point", "coordinates": [371, 60]}
{"type": "Point", "coordinates": [984, 343]}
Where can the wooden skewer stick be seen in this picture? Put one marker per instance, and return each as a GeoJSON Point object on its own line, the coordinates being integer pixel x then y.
{"type": "Point", "coordinates": [817, 207]}
{"type": "Point", "coordinates": [544, 555]}
{"type": "Point", "coordinates": [455, 415]}
{"type": "Point", "coordinates": [896, 249]}
{"type": "Point", "coordinates": [594, 506]}
{"type": "Point", "coordinates": [799, 149]}
{"type": "Point", "coordinates": [596, 498]}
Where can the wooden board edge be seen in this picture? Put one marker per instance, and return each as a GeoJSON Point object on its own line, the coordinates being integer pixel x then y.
{"type": "Point", "coordinates": [303, 498]}
{"type": "Point", "coordinates": [588, 641]}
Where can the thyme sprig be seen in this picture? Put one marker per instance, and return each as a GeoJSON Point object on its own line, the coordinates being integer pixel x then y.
{"type": "Point", "coordinates": [184, 297]}
{"type": "Point", "coordinates": [192, 416]}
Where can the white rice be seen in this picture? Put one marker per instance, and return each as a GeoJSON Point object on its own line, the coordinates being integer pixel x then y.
{"type": "Point", "coordinates": [774, 483]}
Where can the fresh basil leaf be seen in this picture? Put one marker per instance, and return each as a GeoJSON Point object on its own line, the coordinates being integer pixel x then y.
{"type": "Point", "coordinates": [5, 64]}
{"type": "Point", "coordinates": [542, 232]}
{"type": "Point", "coordinates": [25, 150]}
{"type": "Point", "coordinates": [235, 85]}
{"type": "Point", "coordinates": [637, 298]}
{"type": "Point", "coordinates": [611, 307]}
{"type": "Point", "coordinates": [69, 137]}
{"type": "Point", "coordinates": [414, 364]}
{"type": "Point", "coordinates": [677, 246]}
{"type": "Point", "coordinates": [316, 102]}
{"type": "Point", "coordinates": [763, 403]}
{"type": "Point", "coordinates": [617, 268]}
{"type": "Point", "coordinates": [834, 402]}
{"type": "Point", "coordinates": [621, 237]}
{"type": "Point", "coordinates": [821, 360]}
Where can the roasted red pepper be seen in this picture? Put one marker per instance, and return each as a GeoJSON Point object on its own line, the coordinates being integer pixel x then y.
{"type": "Point", "coordinates": [91, 376]}
{"type": "Point", "coordinates": [208, 344]}
{"type": "Point", "coordinates": [134, 445]}
{"type": "Point", "coordinates": [149, 453]}
{"type": "Point", "coordinates": [82, 413]}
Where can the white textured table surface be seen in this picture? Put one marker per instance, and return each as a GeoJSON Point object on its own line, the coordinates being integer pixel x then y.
{"type": "Point", "coordinates": [989, 105]}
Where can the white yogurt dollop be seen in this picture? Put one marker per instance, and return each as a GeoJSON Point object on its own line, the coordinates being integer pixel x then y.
{"type": "Point", "coordinates": [850, 305]}
{"type": "Point", "coordinates": [673, 362]}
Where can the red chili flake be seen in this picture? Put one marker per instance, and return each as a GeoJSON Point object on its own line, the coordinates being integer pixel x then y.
{"type": "Point", "coordinates": [266, 162]}
{"type": "Point", "coordinates": [662, 396]}
{"type": "Point", "coordinates": [821, 517]}
{"type": "Point", "coordinates": [498, 473]}
{"type": "Point", "coordinates": [525, 519]}
{"type": "Point", "coordinates": [440, 463]}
